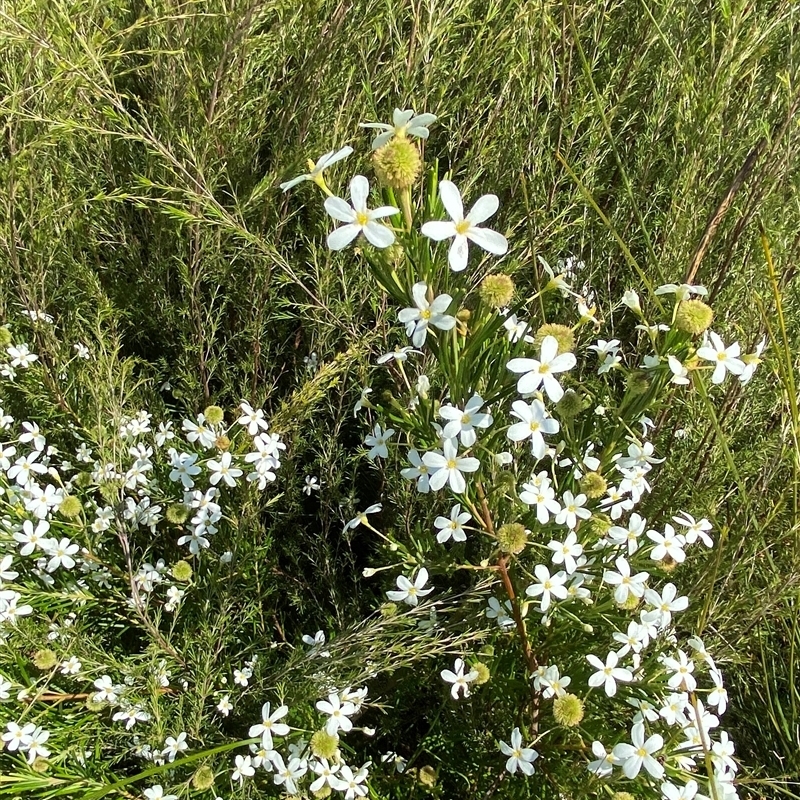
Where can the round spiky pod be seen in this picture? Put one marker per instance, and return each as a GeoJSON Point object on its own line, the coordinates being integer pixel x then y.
{"type": "Point", "coordinates": [70, 507]}
{"type": "Point", "coordinates": [484, 674]}
{"type": "Point", "coordinates": [182, 571]}
{"type": "Point", "coordinates": [694, 316]}
{"type": "Point", "coordinates": [570, 405]}
{"type": "Point", "coordinates": [497, 291]}
{"type": "Point", "coordinates": [512, 538]}
{"type": "Point", "coordinates": [203, 778]}
{"type": "Point", "coordinates": [568, 710]}
{"type": "Point", "coordinates": [177, 513]}
{"type": "Point", "coordinates": [324, 745]}
{"type": "Point", "coordinates": [561, 333]}
{"type": "Point", "coordinates": [593, 485]}
{"type": "Point", "coordinates": [45, 659]}
{"type": "Point", "coordinates": [214, 415]}
{"type": "Point", "coordinates": [397, 164]}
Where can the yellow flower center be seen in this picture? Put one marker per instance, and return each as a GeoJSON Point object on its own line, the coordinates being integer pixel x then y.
{"type": "Point", "coordinates": [362, 218]}
{"type": "Point", "coordinates": [451, 464]}
{"type": "Point", "coordinates": [534, 427]}
{"type": "Point", "coordinates": [425, 314]}
{"type": "Point", "coordinates": [462, 227]}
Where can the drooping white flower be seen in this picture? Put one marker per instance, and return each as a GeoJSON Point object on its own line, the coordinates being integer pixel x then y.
{"type": "Point", "coordinates": [682, 291]}
{"type": "Point", "coordinates": [519, 757]}
{"type": "Point", "coordinates": [465, 229]}
{"type": "Point", "coordinates": [358, 218]}
{"type": "Point", "coordinates": [418, 320]}
{"type": "Point", "coordinates": [362, 517]}
{"type": "Point", "coordinates": [535, 373]}
{"type": "Point", "coordinates": [315, 168]}
{"type": "Point", "coordinates": [404, 124]}
{"type": "Point", "coordinates": [751, 361]}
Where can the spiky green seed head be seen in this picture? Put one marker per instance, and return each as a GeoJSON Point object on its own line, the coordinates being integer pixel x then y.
{"type": "Point", "coordinates": [463, 315]}
{"type": "Point", "coordinates": [5, 337]}
{"type": "Point", "coordinates": [593, 485]}
{"type": "Point", "coordinates": [45, 659]}
{"type": "Point", "coordinates": [83, 480]}
{"type": "Point", "coordinates": [388, 610]}
{"type": "Point", "coordinates": [568, 710]}
{"type": "Point", "coordinates": [512, 538]}
{"type": "Point", "coordinates": [182, 571]}
{"type": "Point", "coordinates": [497, 291]}
{"type": "Point", "coordinates": [214, 415]}
{"type": "Point", "coordinates": [694, 317]}
{"type": "Point", "coordinates": [505, 482]}
{"type": "Point", "coordinates": [622, 796]}
{"type": "Point", "coordinates": [487, 651]}
{"type": "Point", "coordinates": [638, 383]}
{"type": "Point", "coordinates": [70, 507]}
{"type": "Point", "coordinates": [484, 673]}
{"type": "Point", "coordinates": [630, 603]}
{"type": "Point", "coordinates": [94, 705]}
{"type": "Point", "coordinates": [110, 491]}
{"type": "Point", "coordinates": [40, 764]}
{"type": "Point", "coordinates": [324, 745]}
{"type": "Point", "coordinates": [203, 778]}
{"type": "Point", "coordinates": [222, 442]}
{"type": "Point", "coordinates": [570, 405]}
{"type": "Point", "coordinates": [561, 333]}
{"type": "Point", "coordinates": [599, 524]}
{"type": "Point", "coordinates": [177, 513]}
{"type": "Point", "coordinates": [397, 164]}
{"type": "Point", "coordinates": [321, 793]}
{"type": "Point", "coordinates": [427, 776]}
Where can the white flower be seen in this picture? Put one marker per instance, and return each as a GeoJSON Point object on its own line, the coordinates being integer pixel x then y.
{"type": "Point", "coordinates": [681, 669]}
{"type": "Point", "coordinates": [60, 553]}
{"type": "Point", "coordinates": [635, 639]}
{"type": "Point", "coordinates": [452, 526]}
{"type": "Point", "coordinates": [269, 725]}
{"type": "Point", "coordinates": [317, 640]}
{"type": "Point", "coordinates": [463, 423]}
{"type": "Point", "coordinates": [719, 694]}
{"type": "Point", "coordinates": [200, 432]}
{"type": "Point", "coordinates": [726, 358]}
{"type": "Point", "coordinates": [223, 470]}
{"type": "Point", "coordinates": [751, 361]}
{"type": "Point", "coordinates": [131, 716]}
{"type": "Point", "coordinates": [312, 485]}
{"type": "Point", "coordinates": [72, 666]}
{"type": "Point", "coordinates": [501, 613]}
{"type": "Point", "coordinates": [107, 692]}
{"type": "Point", "coordinates": [362, 400]}
{"type": "Point", "coordinates": [640, 754]}
{"type": "Point", "coordinates": [339, 713]}
{"type": "Point", "coordinates": [679, 372]}
{"type": "Point", "coordinates": [358, 218]}
{"type": "Point", "coordinates": [157, 793]}
{"type": "Point", "coordinates": [418, 320]}
{"type": "Point", "coordinates": [605, 760]}
{"type": "Point", "coordinates": [174, 746]}
{"type": "Point", "coordinates": [459, 680]}
{"type": "Point", "coordinates": [326, 774]}
{"type": "Point", "coordinates": [241, 677]}
{"type": "Point", "coordinates": [361, 519]}
{"type": "Point", "coordinates": [682, 291]}
{"type": "Point", "coordinates": [418, 471]}
{"type": "Point", "coordinates": [541, 494]}
{"type": "Point", "coordinates": [244, 769]}
{"type": "Point", "coordinates": [626, 583]}
{"type": "Point", "coordinates": [411, 592]}
{"type": "Point", "coordinates": [224, 706]}
{"type": "Point", "coordinates": [631, 299]}
{"type": "Point", "coordinates": [548, 586]}
{"type": "Point", "coordinates": [315, 169]}
{"type": "Point", "coordinates": [404, 124]}
{"type": "Point", "coordinates": [517, 329]}
{"type": "Point", "coordinates": [465, 229]}
{"type": "Point", "coordinates": [32, 435]}
{"type": "Point", "coordinates": [668, 543]}
{"type": "Point", "coordinates": [695, 529]}
{"type": "Point", "coordinates": [20, 356]}
{"type": "Point", "coordinates": [609, 673]}
{"type": "Point", "coordinates": [686, 792]}
{"type": "Point", "coordinates": [534, 423]}
{"type": "Point", "coordinates": [21, 469]}
{"type": "Point", "coordinates": [572, 510]}
{"type": "Point", "coordinates": [448, 466]}
{"type": "Point", "coordinates": [519, 757]}
{"type": "Point", "coordinates": [541, 372]}
{"type": "Point", "coordinates": [666, 602]}
{"type": "Point", "coordinates": [252, 419]}
{"type": "Point", "coordinates": [351, 784]}
{"type": "Point", "coordinates": [376, 441]}
{"type": "Point", "coordinates": [630, 535]}
{"type": "Point", "coordinates": [399, 354]}
{"type": "Point", "coordinates": [14, 737]}
{"type": "Point", "coordinates": [566, 552]}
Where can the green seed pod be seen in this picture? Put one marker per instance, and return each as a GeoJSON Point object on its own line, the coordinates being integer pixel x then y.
{"type": "Point", "coordinates": [496, 291]}
{"type": "Point", "coordinates": [182, 571]}
{"type": "Point", "coordinates": [593, 485]}
{"type": "Point", "coordinates": [561, 333]}
{"type": "Point", "coordinates": [5, 337]}
{"type": "Point", "coordinates": [40, 764]}
{"type": "Point", "coordinates": [323, 792]}
{"type": "Point", "coordinates": [512, 538]}
{"type": "Point", "coordinates": [45, 659]}
{"type": "Point", "coordinates": [214, 415]}
{"type": "Point", "coordinates": [427, 776]}
{"type": "Point", "coordinates": [694, 317]}
{"type": "Point", "coordinates": [203, 778]}
{"type": "Point", "coordinates": [222, 442]}
{"type": "Point", "coordinates": [638, 383]}
{"type": "Point", "coordinates": [570, 405]}
{"type": "Point", "coordinates": [323, 745]}
{"type": "Point", "coordinates": [397, 164]}
{"type": "Point", "coordinates": [177, 513]}
{"type": "Point", "coordinates": [484, 674]}
{"type": "Point", "coordinates": [568, 710]}
{"type": "Point", "coordinates": [83, 480]}
{"type": "Point", "coordinates": [70, 507]}
{"type": "Point", "coordinates": [388, 610]}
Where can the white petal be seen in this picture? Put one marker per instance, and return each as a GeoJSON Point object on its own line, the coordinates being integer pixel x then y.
{"type": "Point", "coordinates": [383, 211]}
{"type": "Point", "coordinates": [451, 199]}
{"type": "Point", "coordinates": [458, 254]}
{"type": "Point", "coordinates": [422, 119]}
{"type": "Point", "coordinates": [337, 156]}
{"type": "Point", "coordinates": [293, 182]}
{"type": "Point", "coordinates": [378, 235]}
{"type": "Point", "coordinates": [359, 191]}
{"type": "Point", "coordinates": [342, 236]}
{"type": "Point", "coordinates": [483, 208]}
{"type": "Point", "coordinates": [489, 240]}
{"type": "Point", "coordinates": [438, 230]}
{"type": "Point", "coordinates": [339, 209]}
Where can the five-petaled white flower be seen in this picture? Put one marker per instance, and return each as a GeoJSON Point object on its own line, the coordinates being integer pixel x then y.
{"type": "Point", "coordinates": [609, 673]}
{"type": "Point", "coordinates": [358, 218]}
{"type": "Point", "coordinates": [404, 124]}
{"type": "Point", "coordinates": [626, 583]}
{"type": "Point", "coordinates": [548, 586]}
{"type": "Point", "coordinates": [410, 592]}
{"type": "Point", "coordinates": [634, 756]}
{"type": "Point", "coordinates": [465, 229]}
{"type": "Point", "coordinates": [726, 358]}
{"type": "Point", "coordinates": [418, 320]}
{"type": "Point", "coordinates": [462, 424]}
{"type": "Point", "coordinates": [535, 422]}
{"type": "Point", "coordinates": [252, 419]}
{"type": "Point", "coordinates": [418, 471]}
{"type": "Point", "coordinates": [566, 552]}
{"type": "Point", "coordinates": [223, 470]}
{"type": "Point", "coordinates": [157, 793]}
{"type": "Point", "coordinates": [173, 746]}
{"type": "Point", "coordinates": [315, 169]}
{"type": "Point", "coordinates": [459, 680]}
{"type": "Point", "coordinates": [535, 373]}
{"type": "Point", "coordinates": [452, 526]}
{"type": "Point", "coordinates": [361, 519]}
{"type": "Point", "coordinates": [449, 466]}
{"type": "Point", "coordinates": [541, 494]}
{"type": "Point", "coordinates": [519, 757]}
{"type": "Point", "coordinates": [376, 441]}
{"type": "Point", "coordinates": [339, 713]}
{"type": "Point", "coordinates": [572, 509]}
{"type": "Point", "coordinates": [269, 725]}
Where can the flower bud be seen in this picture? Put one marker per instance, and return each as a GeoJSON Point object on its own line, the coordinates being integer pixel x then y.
{"type": "Point", "coordinates": [593, 485]}
{"type": "Point", "coordinates": [694, 317]}
{"type": "Point", "coordinates": [568, 710]}
{"type": "Point", "coordinates": [214, 415]}
{"type": "Point", "coordinates": [203, 778]}
{"type": "Point", "coordinates": [561, 333]}
{"type": "Point", "coordinates": [70, 507]}
{"type": "Point", "coordinates": [496, 291]}
{"type": "Point", "coordinates": [512, 538]}
{"type": "Point", "coordinates": [397, 164]}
